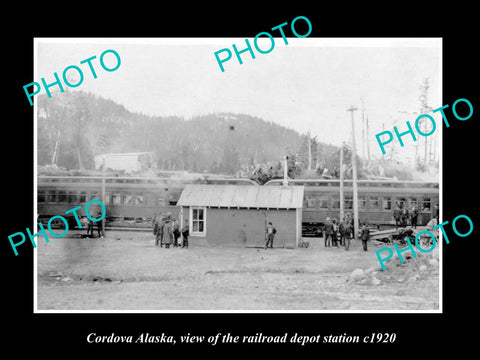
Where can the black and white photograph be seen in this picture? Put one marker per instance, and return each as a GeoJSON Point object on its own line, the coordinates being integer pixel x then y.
{"type": "Point", "coordinates": [255, 186]}
{"type": "Point", "coordinates": [235, 179]}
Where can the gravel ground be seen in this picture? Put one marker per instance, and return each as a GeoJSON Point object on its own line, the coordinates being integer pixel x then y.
{"type": "Point", "coordinates": [125, 271]}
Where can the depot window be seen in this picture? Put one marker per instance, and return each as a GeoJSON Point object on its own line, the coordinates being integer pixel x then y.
{"type": "Point", "coordinates": [198, 218]}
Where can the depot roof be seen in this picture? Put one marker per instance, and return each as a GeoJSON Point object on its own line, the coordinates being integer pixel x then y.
{"type": "Point", "coordinates": [279, 197]}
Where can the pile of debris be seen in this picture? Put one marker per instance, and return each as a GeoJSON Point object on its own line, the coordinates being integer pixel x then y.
{"type": "Point", "coordinates": [412, 269]}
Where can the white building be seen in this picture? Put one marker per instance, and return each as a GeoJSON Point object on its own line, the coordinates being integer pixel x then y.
{"type": "Point", "coordinates": [125, 161]}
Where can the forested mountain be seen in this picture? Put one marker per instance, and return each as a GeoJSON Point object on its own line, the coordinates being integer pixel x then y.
{"type": "Point", "coordinates": [73, 127]}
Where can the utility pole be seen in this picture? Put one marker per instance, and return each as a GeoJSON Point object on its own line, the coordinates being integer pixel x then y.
{"type": "Point", "coordinates": [363, 127]}
{"type": "Point", "coordinates": [424, 86]}
{"type": "Point", "coordinates": [354, 180]}
{"type": "Point", "coordinates": [368, 146]}
{"type": "Point", "coordinates": [342, 205]}
{"type": "Point", "coordinates": [427, 143]}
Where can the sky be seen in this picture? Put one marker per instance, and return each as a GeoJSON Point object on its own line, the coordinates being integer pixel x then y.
{"type": "Point", "coordinates": [306, 85]}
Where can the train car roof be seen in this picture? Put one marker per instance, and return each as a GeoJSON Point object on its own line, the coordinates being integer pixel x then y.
{"type": "Point", "coordinates": [363, 182]}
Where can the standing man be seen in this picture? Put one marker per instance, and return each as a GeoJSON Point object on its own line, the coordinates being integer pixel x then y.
{"type": "Point", "coordinates": [159, 230]}
{"type": "Point", "coordinates": [404, 215]}
{"type": "Point", "coordinates": [185, 234]}
{"type": "Point", "coordinates": [414, 217]}
{"type": "Point", "coordinates": [96, 210]}
{"type": "Point", "coordinates": [168, 231]}
{"type": "Point", "coordinates": [176, 232]}
{"type": "Point", "coordinates": [365, 236]}
{"type": "Point", "coordinates": [270, 234]}
{"type": "Point", "coordinates": [328, 232]}
{"type": "Point", "coordinates": [348, 234]}
{"type": "Point", "coordinates": [397, 212]}
{"type": "Point", "coordinates": [89, 228]}
{"type": "Point", "coordinates": [155, 227]}
{"type": "Point", "coordinates": [335, 232]}
{"type": "Point", "coordinates": [341, 229]}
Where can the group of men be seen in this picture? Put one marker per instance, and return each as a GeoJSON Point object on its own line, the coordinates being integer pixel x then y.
{"type": "Point", "coordinates": [333, 233]}
{"type": "Point", "coordinates": [167, 232]}
{"type": "Point", "coordinates": [401, 215]}
{"type": "Point", "coordinates": [342, 233]}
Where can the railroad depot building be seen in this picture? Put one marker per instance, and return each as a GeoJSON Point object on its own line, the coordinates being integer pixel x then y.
{"type": "Point", "coordinates": [236, 215]}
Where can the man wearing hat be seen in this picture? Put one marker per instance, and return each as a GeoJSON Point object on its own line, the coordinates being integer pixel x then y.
{"type": "Point", "coordinates": [328, 232]}
{"type": "Point", "coordinates": [270, 232]}
{"type": "Point", "coordinates": [168, 236]}
{"type": "Point", "coordinates": [158, 230]}
{"type": "Point", "coordinates": [365, 236]}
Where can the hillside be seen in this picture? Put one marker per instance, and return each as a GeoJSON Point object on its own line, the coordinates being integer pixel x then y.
{"type": "Point", "coordinates": [76, 126]}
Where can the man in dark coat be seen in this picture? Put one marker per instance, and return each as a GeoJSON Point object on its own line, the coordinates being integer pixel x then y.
{"type": "Point", "coordinates": [413, 217]}
{"type": "Point", "coordinates": [155, 227]}
{"type": "Point", "coordinates": [404, 216]}
{"type": "Point", "coordinates": [397, 213]}
{"type": "Point", "coordinates": [365, 236]}
{"type": "Point", "coordinates": [185, 234]}
{"type": "Point", "coordinates": [342, 229]}
{"type": "Point", "coordinates": [334, 234]}
{"type": "Point", "coordinates": [347, 229]}
{"type": "Point", "coordinates": [270, 232]}
{"type": "Point", "coordinates": [95, 211]}
{"type": "Point", "coordinates": [176, 233]}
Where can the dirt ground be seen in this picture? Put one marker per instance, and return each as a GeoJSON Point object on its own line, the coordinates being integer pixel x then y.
{"type": "Point", "coordinates": [125, 271]}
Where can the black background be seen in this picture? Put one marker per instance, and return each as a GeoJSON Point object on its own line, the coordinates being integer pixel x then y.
{"type": "Point", "coordinates": [50, 334]}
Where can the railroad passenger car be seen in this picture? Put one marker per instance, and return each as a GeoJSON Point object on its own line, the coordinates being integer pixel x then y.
{"type": "Point", "coordinates": [129, 201]}
{"type": "Point", "coordinates": [376, 200]}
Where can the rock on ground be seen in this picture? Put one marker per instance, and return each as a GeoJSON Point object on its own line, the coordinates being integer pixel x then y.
{"type": "Point", "coordinates": [356, 274]}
